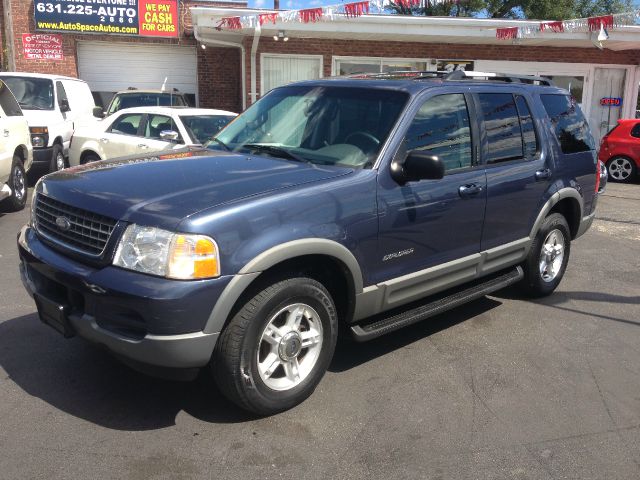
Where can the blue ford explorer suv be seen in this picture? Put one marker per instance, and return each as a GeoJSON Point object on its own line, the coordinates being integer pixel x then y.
{"type": "Point", "coordinates": [351, 205]}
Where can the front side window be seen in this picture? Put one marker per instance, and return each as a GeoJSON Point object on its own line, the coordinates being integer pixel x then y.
{"type": "Point", "coordinates": [569, 124]}
{"type": "Point", "coordinates": [156, 124]}
{"type": "Point", "coordinates": [31, 93]}
{"type": "Point", "coordinates": [127, 124]}
{"type": "Point", "coordinates": [318, 124]}
{"type": "Point", "coordinates": [441, 128]}
{"type": "Point", "coordinates": [62, 95]}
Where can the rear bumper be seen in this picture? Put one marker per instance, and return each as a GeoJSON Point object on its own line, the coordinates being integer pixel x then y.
{"type": "Point", "coordinates": [149, 320]}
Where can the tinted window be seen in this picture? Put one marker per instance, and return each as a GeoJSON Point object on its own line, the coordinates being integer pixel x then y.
{"type": "Point", "coordinates": [157, 124]}
{"type": "Point", "coordinates": [569, 123]}
{"type": "Point", "coordinates": [62, 94]}
{"type": "Point", "coordinates": [441, 127]}
{"type": "Point", "coordinates": [31, 93]}
{"type": "Point", "coordinates": [127, 124]}
{"type": "Point", "coordinates": [635, 131]}
{"type": "Point", "coordinates": [8, 102]}
{"type": "Point", "coordinates": [502, 126]}
{"type": "Point", "coordinates": [529, 139]}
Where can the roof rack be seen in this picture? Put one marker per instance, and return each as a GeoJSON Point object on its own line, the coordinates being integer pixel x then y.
{"type": "Point", "coordinates": [400, 75]}
{"type": "Point", "coordinates": [498, 77]}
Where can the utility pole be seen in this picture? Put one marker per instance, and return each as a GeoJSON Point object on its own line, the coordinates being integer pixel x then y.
{"type": "Point", "coordinates": [276, 4]}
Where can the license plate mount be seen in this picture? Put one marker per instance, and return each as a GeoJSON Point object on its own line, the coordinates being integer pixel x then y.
{"type": "Point", "coordinates": [54, 314]}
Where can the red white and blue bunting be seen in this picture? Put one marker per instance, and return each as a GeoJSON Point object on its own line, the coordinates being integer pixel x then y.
{"type": "Point", "coordinates": [321, 14]}
{"type": "Point", "coordinates": [584, 25]}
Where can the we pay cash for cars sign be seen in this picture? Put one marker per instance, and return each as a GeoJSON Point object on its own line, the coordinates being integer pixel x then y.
{"type": "Point", "coordinates": [146, 18]}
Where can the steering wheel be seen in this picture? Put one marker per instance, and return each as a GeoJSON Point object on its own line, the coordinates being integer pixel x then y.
{"type": "Point", "coordinates": [366, 140]}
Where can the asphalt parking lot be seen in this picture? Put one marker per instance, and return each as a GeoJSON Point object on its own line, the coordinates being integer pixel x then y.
{"type": "Point", "coordinates": [502, 388]}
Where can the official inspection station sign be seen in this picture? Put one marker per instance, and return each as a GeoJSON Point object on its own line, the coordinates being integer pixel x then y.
{"type": "Point", "coordinates": [146, 18]}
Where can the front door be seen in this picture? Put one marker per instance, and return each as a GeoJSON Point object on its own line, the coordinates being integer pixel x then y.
{"type": "Point", "coordinates": [433, 223]}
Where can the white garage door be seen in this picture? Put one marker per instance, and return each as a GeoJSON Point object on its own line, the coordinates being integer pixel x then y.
{"type": "Point", "coordinates": [110, 67]}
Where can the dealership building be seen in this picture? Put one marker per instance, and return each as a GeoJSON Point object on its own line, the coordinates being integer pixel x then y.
{"type": "Point", "coordinates": [231, 68]}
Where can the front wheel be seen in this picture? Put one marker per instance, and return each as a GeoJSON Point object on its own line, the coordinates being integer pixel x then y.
{"type": "Point", "coordinates": [57, 159]}
{"type": "Point", "coordinates": [276, 349]}
{"type": "Point", "coordinates": [18, 183]}
{"type": "Point", "coordinates": [548, 258]}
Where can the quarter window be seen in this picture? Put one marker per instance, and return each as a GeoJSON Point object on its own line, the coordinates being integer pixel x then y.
{"type": "Point", "coordinates": [441, 127]}
{"type": "Point", "coordinates": [569, 123]}
{"type": "Point", "coordinates": [635, 132]}
{"type": "Point", "coordinates": [127, 124]}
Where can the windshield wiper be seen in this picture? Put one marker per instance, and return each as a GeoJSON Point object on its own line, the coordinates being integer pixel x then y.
{"type": "Point", "coordinates": [276, 151]}
{"type": "Point", "coordinates": [221, 143]}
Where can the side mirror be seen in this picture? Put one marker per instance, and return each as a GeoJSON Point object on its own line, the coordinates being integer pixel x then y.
{"type": "Point", "coordinates": [64, 106]}
{"type": "Point", "coordinates": [169, 135]}
{"type": "Point", "coordinates": [417, 166]}
{"type": "Point", "coordinates": [98, 112]}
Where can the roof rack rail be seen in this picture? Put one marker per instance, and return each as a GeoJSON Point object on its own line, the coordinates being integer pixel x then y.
{"type": "Point", "coordinates": [400, 74]}
{"type": "Point", "coordinates": [498, 77]}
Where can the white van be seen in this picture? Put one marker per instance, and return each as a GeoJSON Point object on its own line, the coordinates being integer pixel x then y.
{"type": "Point", "coordinates": [53, 106]}
{"type": "Point", "coordinates": [15, 152]}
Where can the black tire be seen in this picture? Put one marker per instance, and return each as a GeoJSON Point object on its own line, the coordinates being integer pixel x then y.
{"type": "Point", "coordinates": [234, 363]}
{"type": "Point", "coordinates": [90, 157]}
{"type": "Point", "coordinates": [18, 184]}
{"type": "Point", "coordinates": [621, 169]}
{"type": "Point", "coordinates": [534, 284]}
{"type": "Point", "coordinates": [57, 158]}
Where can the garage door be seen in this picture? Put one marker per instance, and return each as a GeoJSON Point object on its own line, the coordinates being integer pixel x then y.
{"type": "Point", "coordinates": [110, 67]}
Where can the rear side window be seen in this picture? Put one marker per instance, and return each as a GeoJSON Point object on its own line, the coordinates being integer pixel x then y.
{"type": "Point", "coordinates": [635, 131]}
{"type": "Point", "coordinates": [509, 127]}
{"type": "Point", "coordinates": [569, 124]}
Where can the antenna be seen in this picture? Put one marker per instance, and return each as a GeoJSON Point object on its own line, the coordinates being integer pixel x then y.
{"type": "Point", "coordinates": [164, 84]}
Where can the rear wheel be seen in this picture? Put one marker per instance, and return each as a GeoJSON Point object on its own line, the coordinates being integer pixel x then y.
{"type": "Point", "coordinates": [18, 184]}
{"type": "Point", "coordinates": [547, 260]}
{"type": "Point", "coordinates": [621, 169]}
{"type": "Point", "coordinates": [276, 349]}
{"type": "Point", "coordinates": [57, 159]}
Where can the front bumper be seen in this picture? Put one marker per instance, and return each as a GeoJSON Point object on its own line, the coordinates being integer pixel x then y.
{"type": "Point", "coordinates": [42, 156]}
{"type": "Point", "coordinates": [145, 319]}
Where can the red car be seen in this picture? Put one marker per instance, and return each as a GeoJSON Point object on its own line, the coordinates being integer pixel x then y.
{"type": "Point", "coordinates": [620, 150]}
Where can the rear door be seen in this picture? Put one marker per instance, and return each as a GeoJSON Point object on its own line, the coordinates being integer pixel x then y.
{"type": "Point", "coordinates": [433, 222]}
{"type": "Point", "coordinates": [123, 137]}
{"type": "Point", "coordinates": [518, 165]}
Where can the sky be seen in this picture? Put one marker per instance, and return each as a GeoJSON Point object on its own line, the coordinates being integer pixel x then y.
{"type": "Point", "coordinates": [293, 4]}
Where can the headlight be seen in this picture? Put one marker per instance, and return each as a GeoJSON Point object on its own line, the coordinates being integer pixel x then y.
{"type": "Point", "coordinates": [173, 255]}
{"type": "Point", "coordinates": [39, 136]}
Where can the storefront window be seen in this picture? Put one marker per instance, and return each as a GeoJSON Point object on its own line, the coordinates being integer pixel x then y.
{"type": "Point", "coordinates": [575, 85]}
{"type": "Point", "coordinates": [279, 70]}
{"type": "Point", "coordinates": [349, 66]}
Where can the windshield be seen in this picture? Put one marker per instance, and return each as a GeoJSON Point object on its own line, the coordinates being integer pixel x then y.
{"type": "Point", "coordinates": [140, 99]}
{"type": "Point", "coordinates": [31, 93]}
{"type": "Point", "coordinates": [324, 125]}
{"type": "Point", "coordinates": [202, 127]}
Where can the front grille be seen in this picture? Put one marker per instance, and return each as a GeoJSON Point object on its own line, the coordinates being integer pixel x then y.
{"type": "Point", "coordinates": [88, 232]}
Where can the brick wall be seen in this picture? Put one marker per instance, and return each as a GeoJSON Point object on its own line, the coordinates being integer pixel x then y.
{"type": "Point", "coordinates": [330, 48]}
{"type": "Point", "coordinates": [219, 78]}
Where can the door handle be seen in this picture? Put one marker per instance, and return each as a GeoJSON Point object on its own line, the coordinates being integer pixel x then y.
{"type": "Point", "coordinates": [104, 140]}
{"type": "Point", "coordinates": [142, 145]}
{"type": "Point", "coordinates": [6, 132]}
{"type": "Point", "coordinates": [543, 174]}
{"type": "Point", "coordinates": [469, 190]}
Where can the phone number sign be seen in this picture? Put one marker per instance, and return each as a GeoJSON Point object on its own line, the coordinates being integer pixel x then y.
{"type": "Point", "coordinates": [146, 18]}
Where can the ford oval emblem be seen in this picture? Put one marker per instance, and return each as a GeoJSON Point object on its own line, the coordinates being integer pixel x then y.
{"type": "Point", "coordinates": [63, 223]}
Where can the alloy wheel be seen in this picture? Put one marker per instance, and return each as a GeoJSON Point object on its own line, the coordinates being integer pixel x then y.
{"type": "Point", "coordinates": [551, 255]}
{"type": "Point", "coordinates": [620, 169]}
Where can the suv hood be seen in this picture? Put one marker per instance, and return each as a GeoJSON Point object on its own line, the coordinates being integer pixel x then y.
{"type": "Point", "coordinates": [161, 191]}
